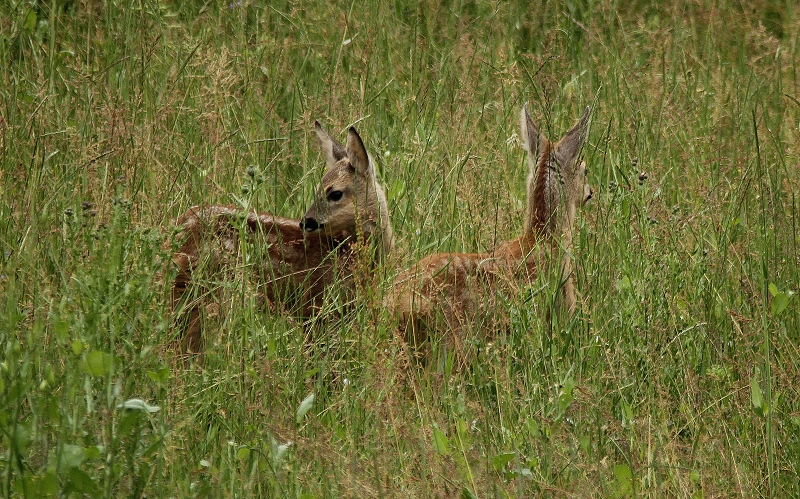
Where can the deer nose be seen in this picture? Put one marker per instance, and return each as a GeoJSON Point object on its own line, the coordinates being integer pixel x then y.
{"type": "Point", "coordinates": [309, 224]}
{"type": "Point", "coordinates": [591, 193]}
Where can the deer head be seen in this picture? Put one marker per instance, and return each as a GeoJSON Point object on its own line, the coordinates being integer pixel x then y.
{"type": "Point", "coordinates": [557, 182]}
{"type": "Point", "coordinates": [349, 199]}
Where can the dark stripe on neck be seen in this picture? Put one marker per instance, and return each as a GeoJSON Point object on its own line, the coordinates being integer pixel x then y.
{"type": "Point", "coordinates": [541, 212]}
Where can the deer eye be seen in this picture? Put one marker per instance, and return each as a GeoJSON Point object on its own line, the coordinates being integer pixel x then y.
{"type": "Point", "coordinates": [334, 196]}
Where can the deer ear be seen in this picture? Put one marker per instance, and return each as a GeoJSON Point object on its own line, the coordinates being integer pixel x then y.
{"type": "Point", "coordinates": [359, 158]}
{"type": "Point", "coordinates": [528, 131]}
{"type": "Point", "coordinates": [332, 150]}
{"type": "Point", "coordinates": [568, 147]}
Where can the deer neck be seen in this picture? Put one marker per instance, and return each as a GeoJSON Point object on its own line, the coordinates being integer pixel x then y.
{"type": "Point", "coordinates": [384, 224]}
{"type": "Point", "coordinates": [544, 187]}
{"type": "Point", "coordinates": [376, 228]}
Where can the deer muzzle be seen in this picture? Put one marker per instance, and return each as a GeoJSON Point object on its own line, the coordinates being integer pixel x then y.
{"type": "Point", "coordinates": [310, 224]}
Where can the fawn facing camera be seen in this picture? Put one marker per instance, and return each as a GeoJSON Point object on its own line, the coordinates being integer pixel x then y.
{"type": "Point", "coordinates": [293, 261]}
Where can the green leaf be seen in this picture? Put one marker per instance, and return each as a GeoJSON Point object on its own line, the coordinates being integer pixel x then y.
{"type": "Point", "coordinates": [622, 472]}
{"type": "Point", "coordinates": [627, 412]}
{"type": "Point", "coordinates": [22, 439]}
{"type": "Point", "coordinates": [30, 21]}
{"type": "Point", "coordinates": [61, 331]}
{"type": "Point", "coordinates": [500, 460]}
{"type": "Point", "coordinates": [565, 396]}
{"type": "Point", "coordinates": [533, 428]}
{"type": "Point", "coordinates": [757, 398]}
{"type": "Point", "coordinates": [77, 347]}
{"type": "Point", "coordinates": [624, 284]}
{"type": "Point", "coordinates": [461, 430]}
{"type": "Point", "coordinates": [773, 289]}
{"type": "Point", "coordinates": [624, 479]}
{"type": "Point", "coordinates": [755, 393]}
{"type": "Point", "coordinates": [81, 482]}
{"type": "Point", "coordinates": [97, 363]}
{"type": "Point", "coordinates": [92, 452]}
{"type": "Point", "coordinates": [46, 485]}
{"type": "Point", "coordinates": [243, 453]}
{"type": "Point", "coordinates": [584, 442]}
{"type": "Point", "coordinates": [779, 303]}
{"type": "Point", "coordinates": [305, 406]}
{"type": "Point", "coordinates": [440, 442]}
{"type": "Point", "coordinates": [71, 457]}
{"type": "Point", "coordinates": [160, 376]}
{"type": "Point", "coordinates": [22, 485]}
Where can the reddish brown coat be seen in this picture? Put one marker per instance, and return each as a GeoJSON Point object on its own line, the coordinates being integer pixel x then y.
{"type": "Point", "coordinates": [292, 261]}
{"type": "Point", "coordinates": [461, 288]}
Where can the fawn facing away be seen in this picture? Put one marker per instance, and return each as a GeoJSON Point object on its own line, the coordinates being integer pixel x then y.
{"type": "Point", "coordinates": [292, 261]}
{"type": "Point", "coordinates": [461, 287]}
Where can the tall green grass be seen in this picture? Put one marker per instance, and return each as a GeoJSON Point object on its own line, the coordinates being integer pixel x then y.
{"type": "Point", "coordinates": [678, 377]}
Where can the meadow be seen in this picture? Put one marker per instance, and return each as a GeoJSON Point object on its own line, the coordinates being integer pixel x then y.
{"type": "Point", "coordinates": [679, 376]}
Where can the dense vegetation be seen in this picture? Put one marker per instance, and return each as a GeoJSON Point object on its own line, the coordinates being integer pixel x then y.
{"type": "Point", "coordinates": [678, 377]}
